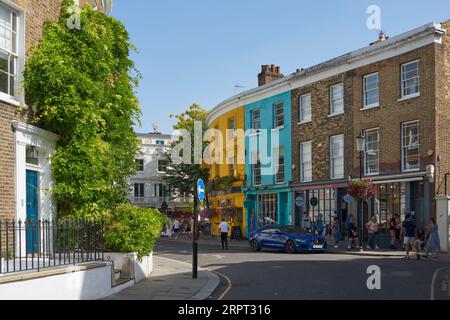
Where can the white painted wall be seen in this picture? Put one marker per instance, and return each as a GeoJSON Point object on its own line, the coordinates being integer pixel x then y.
{"type": "Point", "coordinates": [443, 221]}
{"type": "Point", "coordinates": [129, 264]}
{"type": "Point", "coordinates": [82, 285]}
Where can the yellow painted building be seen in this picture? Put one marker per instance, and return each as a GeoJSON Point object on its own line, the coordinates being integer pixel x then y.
{"type": "Point", "coordinates": [227, 198]}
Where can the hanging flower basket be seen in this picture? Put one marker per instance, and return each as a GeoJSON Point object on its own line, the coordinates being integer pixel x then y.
{"type": "Point", "coordinates": [362, 189]}
{"type": "Point", "coordinates": [208, 213]}
{"type": "Point", "coordinates": [228, 211]}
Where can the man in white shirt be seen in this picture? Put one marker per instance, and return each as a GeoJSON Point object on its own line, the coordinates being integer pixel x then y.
{"type": "Point", "coordinates": [223, 227]}
{"type": "Point", "coordinates": [176, 227]}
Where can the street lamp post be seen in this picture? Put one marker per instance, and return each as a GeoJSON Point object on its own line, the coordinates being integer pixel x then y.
{"type": "Point", "coordinates": [361, 145]}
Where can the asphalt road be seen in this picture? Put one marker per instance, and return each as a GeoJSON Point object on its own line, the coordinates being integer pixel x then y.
{"type": "Point", "coordinates": [247, 275]}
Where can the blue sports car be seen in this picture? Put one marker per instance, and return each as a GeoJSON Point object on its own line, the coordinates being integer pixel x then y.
{"type": "Point", "coordinates": [288, 238]}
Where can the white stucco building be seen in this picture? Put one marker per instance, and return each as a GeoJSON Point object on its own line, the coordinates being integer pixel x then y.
{"type": "Point", "coordinates": [148, 186]}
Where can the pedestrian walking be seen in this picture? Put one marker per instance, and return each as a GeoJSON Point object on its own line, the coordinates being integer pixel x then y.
{"type": "Point", "coordinates": [352, 232]}
{"type": "Point", "coordinates": [433, 242]}
{"type": "Point", "coordinates": [420, 241]}
{"type": "Point", "coordinates": [408, 232]}
{"type": "Point", "coordinates": [306, 222]}
{"type": "Point", "coordinates": [176, 228]}
{"type": "Point", "coordinates": [393, 228]}
{"type": "Point", "coordinates": [319, 225]}
{"type": "Point", "coordinates": [336, 230]}
{"type": "Point", "coordinates": [373, 230]}
{"type": "Point", "coordinates": [223, 228]}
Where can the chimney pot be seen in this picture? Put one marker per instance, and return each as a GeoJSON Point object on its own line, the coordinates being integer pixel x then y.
{"type": "Point", "coordinates": [268, 74]}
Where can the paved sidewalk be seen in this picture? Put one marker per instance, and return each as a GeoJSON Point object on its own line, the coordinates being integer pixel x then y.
{"type": "Point", "coordinates": [171, 280]}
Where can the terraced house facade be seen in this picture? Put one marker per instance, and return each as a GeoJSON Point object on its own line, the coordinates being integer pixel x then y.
{"type": "Point", "coordinates": [394, 93]}
{"type": "Point", "coordinates": [25, 173]}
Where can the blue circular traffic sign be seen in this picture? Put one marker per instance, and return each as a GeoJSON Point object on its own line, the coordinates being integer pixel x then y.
{"type": "Point", "coordinates": [201, 190]}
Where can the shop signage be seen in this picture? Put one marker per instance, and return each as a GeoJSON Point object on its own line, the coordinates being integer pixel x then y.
{"type": "Point", "coordinates": [348, 198]}
{"type": "Point", "coordinates": [299, 201]}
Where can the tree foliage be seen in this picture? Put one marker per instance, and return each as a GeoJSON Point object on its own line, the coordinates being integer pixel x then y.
{"type": "Point", "coordinates": [81, 84]}
{"type": "Point", "coordinates": [184, 176]}
{"type": "Point", "coordinates": [133, 229]}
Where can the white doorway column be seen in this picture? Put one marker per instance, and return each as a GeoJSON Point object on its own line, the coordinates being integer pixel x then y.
{"type": "Point", "coordinates": [443, 221]}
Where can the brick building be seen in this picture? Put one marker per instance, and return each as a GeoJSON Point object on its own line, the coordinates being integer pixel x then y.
{"type": "Point", "coordinates": [25, 175]}
{"type": "Point", "coordinates": [395, 93]}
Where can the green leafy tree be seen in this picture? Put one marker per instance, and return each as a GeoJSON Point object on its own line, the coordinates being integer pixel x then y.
{"type": "Point", "coordinates": [81, 84]}
{"type": "Point", "coordinates": [184, 176]}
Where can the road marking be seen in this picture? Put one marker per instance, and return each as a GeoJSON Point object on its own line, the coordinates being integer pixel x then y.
{"type": "Point", "coordinates": [433, 282]}
{"type": "Point", "coordinates": [230, 285]}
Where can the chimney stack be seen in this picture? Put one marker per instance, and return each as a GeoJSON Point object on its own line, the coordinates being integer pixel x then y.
{"type": "Point", "coordinates": [268, 74]}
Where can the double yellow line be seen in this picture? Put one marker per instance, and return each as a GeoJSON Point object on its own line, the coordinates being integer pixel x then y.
{"type": "Point", "coordinates": [229, 286]}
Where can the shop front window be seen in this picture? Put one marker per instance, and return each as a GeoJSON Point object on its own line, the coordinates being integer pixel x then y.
{"type": "Point", "coordinates": [326, 204]}
{"type": "Point", "coordinates": [268, 209]}
{"type": "Point", "coordinates": [390, 200]}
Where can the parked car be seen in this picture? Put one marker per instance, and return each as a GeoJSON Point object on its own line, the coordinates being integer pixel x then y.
{"type": "Point", "coordinates": [288, 238]}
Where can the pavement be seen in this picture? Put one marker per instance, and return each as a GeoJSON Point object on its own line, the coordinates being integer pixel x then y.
{"type": "Point", "coordinates": [215, 241]}
{"type": "Point", "coordinates": [171, 280]}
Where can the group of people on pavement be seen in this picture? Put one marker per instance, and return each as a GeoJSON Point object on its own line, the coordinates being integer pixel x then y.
{"type": "Point", "coordinates": [414, 239]}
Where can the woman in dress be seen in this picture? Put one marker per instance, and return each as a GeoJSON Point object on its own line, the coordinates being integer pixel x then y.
{"type": "Point", "coordinates": [433, 242]}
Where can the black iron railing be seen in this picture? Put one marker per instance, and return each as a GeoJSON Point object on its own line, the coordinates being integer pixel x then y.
{"type": "Point", "coordinates": [36, 245]}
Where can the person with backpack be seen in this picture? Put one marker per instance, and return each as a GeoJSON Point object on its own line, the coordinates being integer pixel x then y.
{"type": "Point", "coordinates": [320, 226]}
{"type": "Point", "coordinates": [408, 231]}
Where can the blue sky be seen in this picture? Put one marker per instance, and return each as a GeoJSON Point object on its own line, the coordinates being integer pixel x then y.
{"type": "Point", "coordinates": [196, 51]}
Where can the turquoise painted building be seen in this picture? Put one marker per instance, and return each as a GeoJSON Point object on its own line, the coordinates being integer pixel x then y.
{"type": "Point", "coordinates": [268, 168]}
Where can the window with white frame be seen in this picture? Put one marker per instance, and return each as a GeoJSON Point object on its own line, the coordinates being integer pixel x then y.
{"type": "Point", "coordinates": [139, 191]}
{"type": "Point", "coordinates": [268, 208]}
{"type": "Point", "coordinates": [232, 165]}
{"type": "Point", "coordinates": [337, 99]}
{"type": "Point", "coordinates": [337, 157]}
{"type": "Point", "coordinates": [371, 90]}
{"type": "Point", "coordinates": [8, 50]}
{"type": "Point", "coordinates": [372, 152]}
{"type": "Point", "coordinates": [256, 119]}
{"type": "Point", "coordinates": [256, 169]}
{"type": "Point", "coordinates": [280, 168]}
{"type": "Point", "coordinates": [306, 161]}
{"type": "Point", "coordinates": [410, 79]}
{"type": "Point", "coordinates": [411, 146]}
{"type": "Point", "coordinates": [139, 165]}
{"type": "Point", "coordinates": [278, 115]}
{"type": "Point", "coordinates": [162, 165]}
{"type": "Point", "coordinates": [305, 108]}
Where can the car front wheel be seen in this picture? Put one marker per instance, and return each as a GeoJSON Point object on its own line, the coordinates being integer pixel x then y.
{"type": "Point", "coordinates": [290, 247]}
{"type": "Point", "coordinates": [255, 245]}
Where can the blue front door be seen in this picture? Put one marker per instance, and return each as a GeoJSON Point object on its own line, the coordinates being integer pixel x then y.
{"type": "Point", "coordinates": [32, 211]}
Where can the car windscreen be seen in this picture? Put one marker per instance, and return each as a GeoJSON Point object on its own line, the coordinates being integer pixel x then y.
{"type": "Point", "coordinates": [292, 230]}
